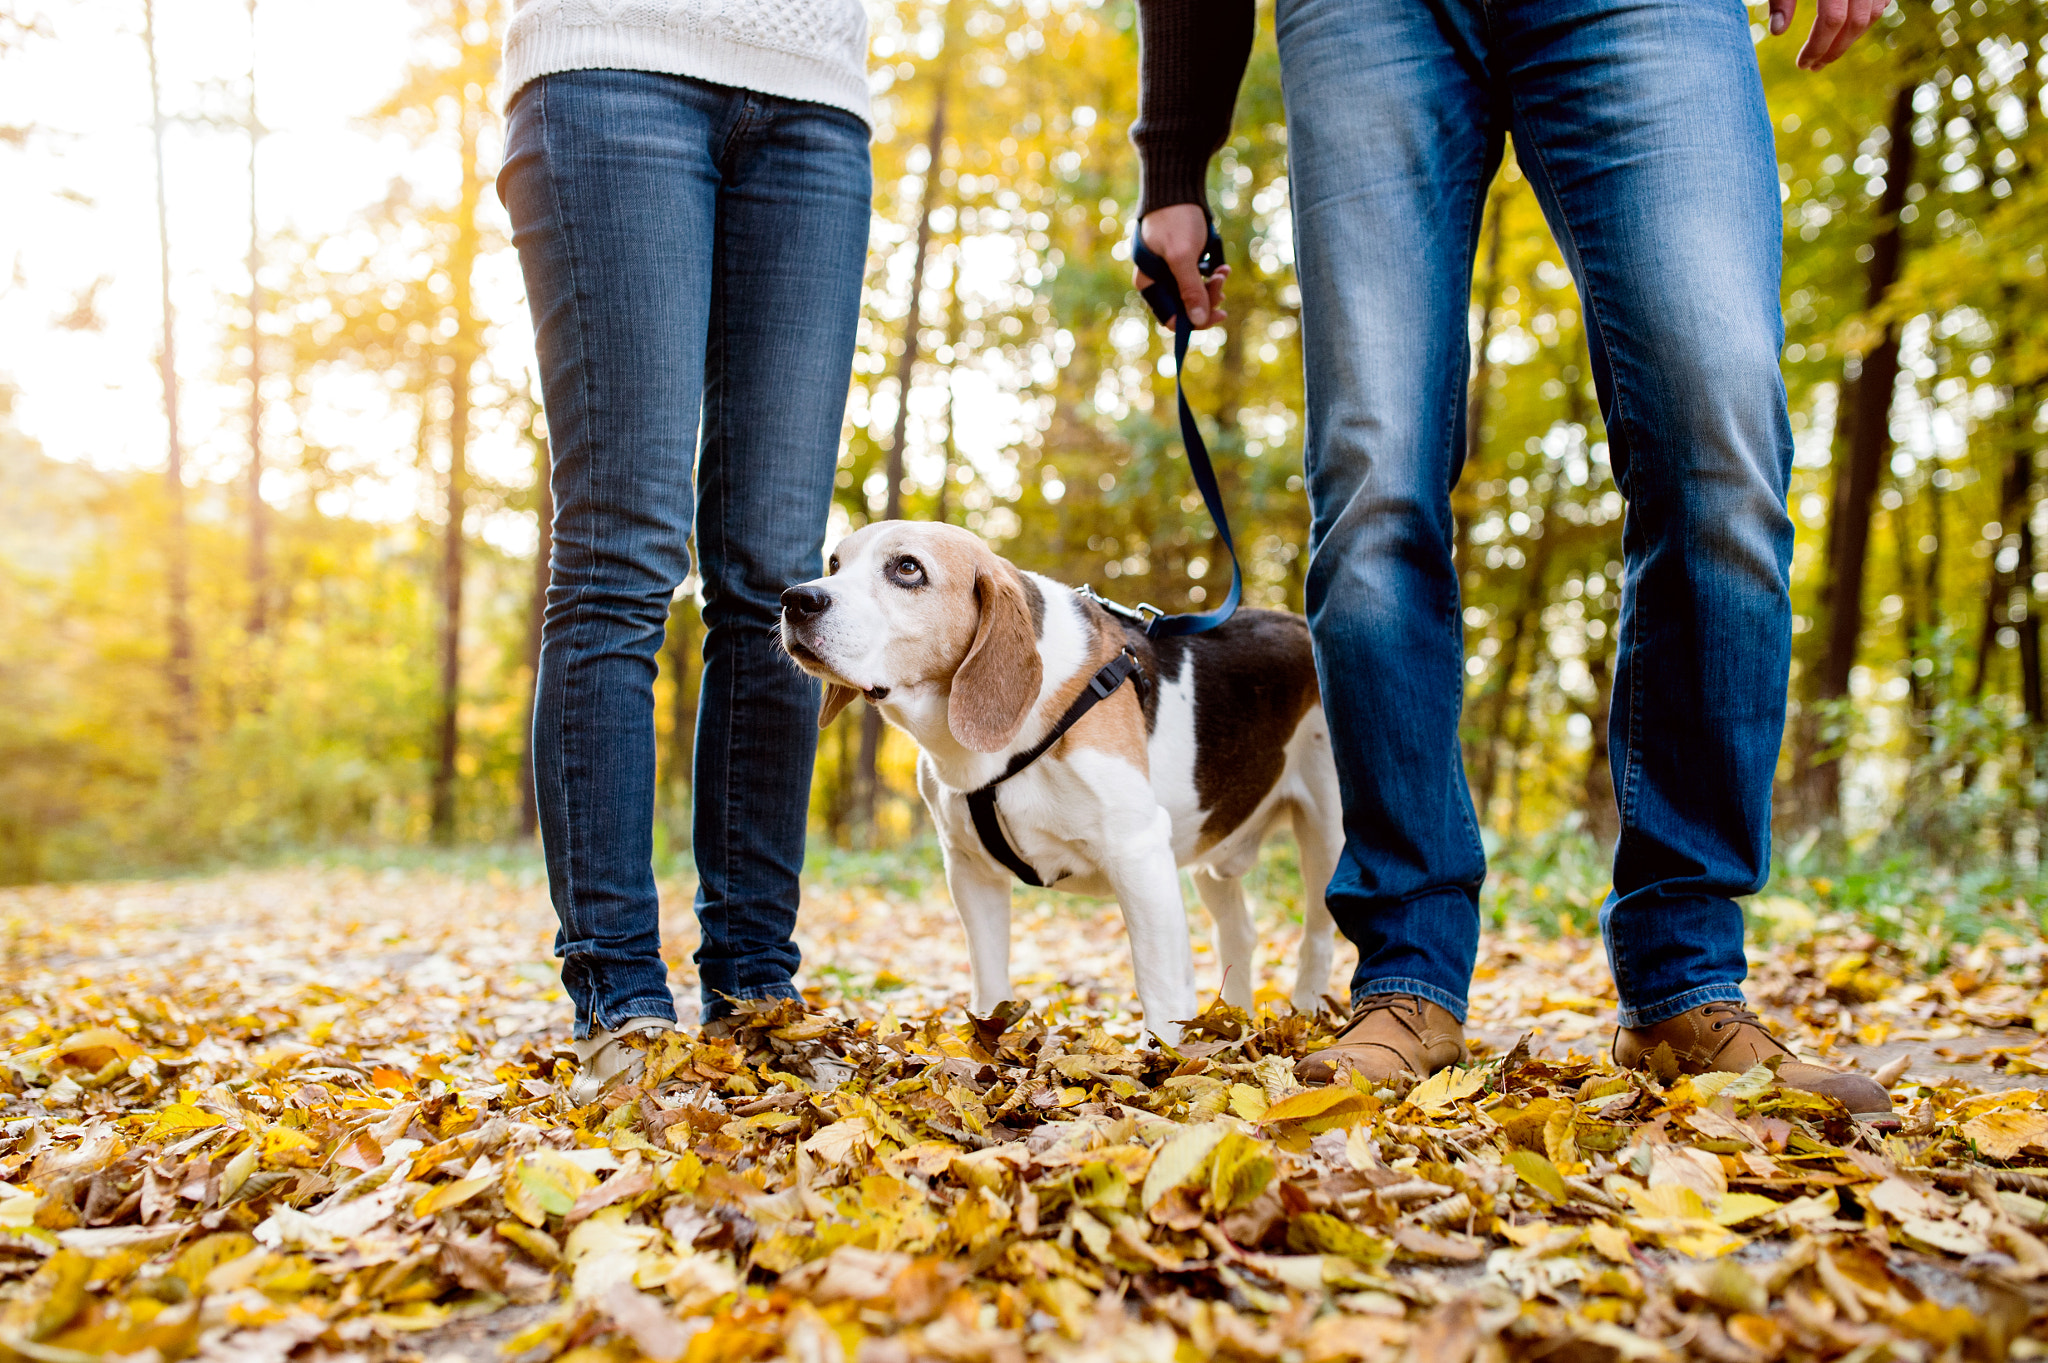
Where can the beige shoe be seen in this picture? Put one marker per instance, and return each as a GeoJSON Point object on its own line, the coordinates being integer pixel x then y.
{"type": "Point", "coordinates": [1729, 1037]}
{"type": "Point", "coordinates": [603, 1062]}
{"type": "Point", "coordinates": [1389, 1035]}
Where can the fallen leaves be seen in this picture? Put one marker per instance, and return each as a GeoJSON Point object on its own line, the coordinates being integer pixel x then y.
{"type": "Point", "coordinates": [317, 1153]}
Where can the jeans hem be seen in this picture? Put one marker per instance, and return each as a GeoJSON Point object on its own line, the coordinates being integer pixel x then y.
{"type": "Point", "coordinates": [652, 1006]}
{"type": "Point", "coordinates": [1649, 1015]}
{"type": "Point", "coordinates": [1450, 1002]}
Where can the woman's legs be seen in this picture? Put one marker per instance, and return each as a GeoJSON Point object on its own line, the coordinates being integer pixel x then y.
{"type": "Point", "coordinates": [616, 182]}
{"type": "Point", "coordinates": [791, 249]}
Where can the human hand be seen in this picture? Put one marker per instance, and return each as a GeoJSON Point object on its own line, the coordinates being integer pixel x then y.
{"type": "Point", "coordinates": [1179, 233]}
{"type": "Point", "coordinates": [1836, 24]}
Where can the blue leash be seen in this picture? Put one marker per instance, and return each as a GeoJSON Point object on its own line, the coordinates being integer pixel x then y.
{"type": "Point", "coordinates": [1164, 296]}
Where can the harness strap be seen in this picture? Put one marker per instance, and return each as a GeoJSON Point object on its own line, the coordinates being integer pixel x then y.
{"type": "Point", "coordinates": [981, 803]}
{"type": "Point", "coordinates": [1164, 297]}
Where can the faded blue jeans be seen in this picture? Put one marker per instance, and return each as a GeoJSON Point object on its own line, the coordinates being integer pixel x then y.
{"type": "Point", "coordinates": [1642, 127]}
{"type": "Point", "coordinates": [693, 257]}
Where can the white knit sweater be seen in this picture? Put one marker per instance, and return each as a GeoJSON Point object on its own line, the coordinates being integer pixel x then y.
{"type": "Point", "coordinates": [814, 50]}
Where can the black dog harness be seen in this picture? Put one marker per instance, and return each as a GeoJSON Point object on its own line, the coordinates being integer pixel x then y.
{"type": "Point", "coordinates": [1164, 300]}
{"type": "Point", "coordinates": [982, 803]}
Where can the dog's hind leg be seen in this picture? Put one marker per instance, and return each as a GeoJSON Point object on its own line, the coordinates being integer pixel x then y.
{"type": "Point", "coordinates": [983, 901]}
{"type": "Point", "coordinates": [1318, 834]}
{"type": "Point", "coordinates": [1236, 939]}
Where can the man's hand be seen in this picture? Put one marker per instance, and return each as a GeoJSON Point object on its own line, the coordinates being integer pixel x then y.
{"type": "Point", "coordinates": [1836, 24]}
{"type": "Point", "coordinates": [1178, 233]}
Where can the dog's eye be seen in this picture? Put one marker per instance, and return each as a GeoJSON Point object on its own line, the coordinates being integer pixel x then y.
{"type": "Point", "coordinates": [833, 566]}
{"type": "Point", "coordinates": [907, 571]}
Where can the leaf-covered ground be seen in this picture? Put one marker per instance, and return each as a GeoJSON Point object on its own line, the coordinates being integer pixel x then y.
{"type": "Point", "coordinates": [314, 1113]}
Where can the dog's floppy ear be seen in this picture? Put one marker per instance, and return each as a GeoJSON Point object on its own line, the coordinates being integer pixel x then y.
{"type": "Point", "coordinates": [837, 698]}
{"type": "Point", "coordinates": [998, 681]}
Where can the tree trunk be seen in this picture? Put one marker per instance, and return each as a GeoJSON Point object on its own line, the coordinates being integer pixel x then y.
{"type": "Point", "coordinates": [259, 527]}
{"type": "Point", "coordinates": [867, 783]}
{"type": "Point", "coordinates": [463, 350]}
{"type": "Point", "coordinates": [177, 554]}
{"type": "Point", "coordinates": [536, 617]}
{"type": "Point", "coordinates": [1478, 755]}
{"type": "Point", "coordinates": [1866, 424]}
{"type": "Point", "coordinates": [2004, 604]}
{"type": "Point", "coordinates": [952, 450]}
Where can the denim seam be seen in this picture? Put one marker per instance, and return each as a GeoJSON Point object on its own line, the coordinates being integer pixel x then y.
{"type": "Point", "coordinates": [741, 126]}
{"type": "Point", "coordinates": [558, 211]}
{"type": "Point", "coordinates": [651, 1006]}
{"type": "Point", "coordinates": [764, 991]}
{"type": "Point", "coordinates": [1624, 797]}
{"type": "Point", "coordinates": [1459, 403]}
{"type": "Point", "coordinates": [1422, 989]}
{"type": "Point", "coordinates": [1665, 1010]}
{"type": "Point", "coordinates": [720, 306]}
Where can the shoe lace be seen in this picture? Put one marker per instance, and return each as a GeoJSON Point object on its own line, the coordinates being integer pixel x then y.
{"type": "Point", "coordinates": [1406, 1011]}
{"type": "Point", "coordinates": [1739, 1015]}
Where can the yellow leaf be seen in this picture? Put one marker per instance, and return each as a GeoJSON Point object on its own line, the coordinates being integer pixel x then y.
{"type": "Point", "coordinates": [1239, 1171]}
{"type": "Point", "coordinates": [1319, 1232]}
{"type": "Point", "coordinates": [543, 1184]}
{"type": "Point", "coordinates": [201, 1257]}
{"type": "Point", "coordinates": [2003, 1133]}
{"type": "Point", "coordinates": [537, 1243]}
{"type": "Point", "coordinates": [182, 1117]}
{"type": "Point", "coordinates": [1559, 1142]}
{"type": "Point", "coordinates": [1611, 1242]}
{"type": "Point", "coordinates": [452, 1194]}
{"type": "Point", "coordinates": [1528, 1233]}
{"type": "Point", "coordinates": [1669, 1201]}
{"type": "Point", "coordinates": [1248, 1102]}
{"type": "Point", "coordinates": [1736, 1208]}
{"type": "Point", "coordinates": [1319, 1109]}
{"type": "Point", "coordinates": [284, 1145]}
{"type": "Point", "coordinates": [1539, 1173]}
{"type": "Point", "coordinates": [1180, 1160]}
{"type": "Point", "coordinates": [1753, 1082]}
{"type": "Point", "coordinates": [1446, 1087]}
{"type": "Point", "coordinates": [93, 1048]}
{"type": "Point", "coordinates": [1706, 1243]}
{"type": "Point", "coordinates": [237, 1173]}
{"type": "Point", "coordinates": [841, 1141]}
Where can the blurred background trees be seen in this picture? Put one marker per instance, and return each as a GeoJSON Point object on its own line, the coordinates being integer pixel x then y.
{"type": "Point", "coordinates": [365, 679]}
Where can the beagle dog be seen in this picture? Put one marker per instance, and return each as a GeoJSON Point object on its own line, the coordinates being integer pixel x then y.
{"type": "Point", "coordinates": [978, 661]}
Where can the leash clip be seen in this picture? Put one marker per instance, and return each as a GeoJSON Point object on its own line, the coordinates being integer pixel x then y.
{"type": "Point", "coordinates": [1141, 615]}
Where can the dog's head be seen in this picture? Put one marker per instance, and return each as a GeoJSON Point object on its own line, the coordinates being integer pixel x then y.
{"type": "Point", "coordinates": [906, 604]}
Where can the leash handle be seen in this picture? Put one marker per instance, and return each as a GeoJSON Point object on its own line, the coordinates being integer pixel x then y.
{"type": "Point", "coordinates": [1163, 296]}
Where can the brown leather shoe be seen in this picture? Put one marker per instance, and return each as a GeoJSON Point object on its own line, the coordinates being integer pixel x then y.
{"type": "Point", "coordinates": [1728, 1036]}
{"type": "Point", "coordinates": [1389, 1035]}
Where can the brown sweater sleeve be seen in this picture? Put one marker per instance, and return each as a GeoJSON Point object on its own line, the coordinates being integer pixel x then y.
{"type": "Point", "coordinates": [1191, 59]}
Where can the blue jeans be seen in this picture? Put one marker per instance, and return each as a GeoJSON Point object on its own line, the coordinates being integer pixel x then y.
{"type": "Point", "coordinates": [1641, 125]}
{"type": "Point", "coordinates": [693, 257]}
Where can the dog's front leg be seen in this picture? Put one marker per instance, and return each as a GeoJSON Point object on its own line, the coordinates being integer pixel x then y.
{"type": "Point", "coordinates": [1147, 886]}
{"type": "Point", "coordinates": [983, 901]}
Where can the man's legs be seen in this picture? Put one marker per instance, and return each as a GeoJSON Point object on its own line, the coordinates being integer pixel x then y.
{"type": "Point", "coordinates": [1643, 129]}
{"type": "Point", "coordinates": [1392, 145]}
{"type": "Point", "coordinates": [611, 183]}
{"type": "Point", "coordinates": [792, 231]}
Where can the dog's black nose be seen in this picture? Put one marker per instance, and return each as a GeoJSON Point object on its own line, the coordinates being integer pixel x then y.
{"type": "Point", "coordinates": [806, 600]}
